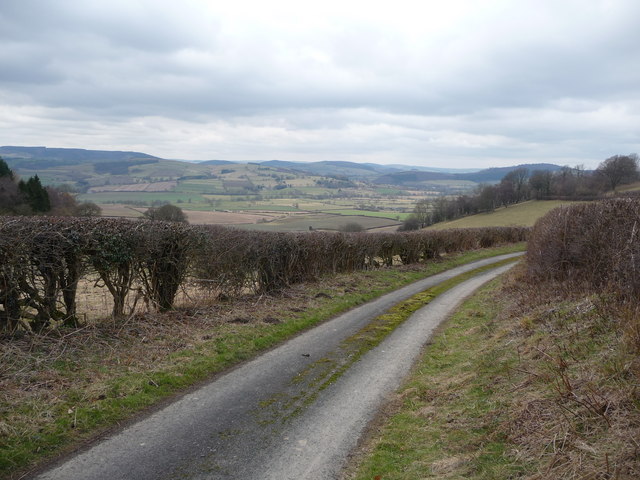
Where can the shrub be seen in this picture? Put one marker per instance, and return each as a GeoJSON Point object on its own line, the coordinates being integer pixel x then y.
{"type": "Point", "coordinates": [166, 213]}
{"type": "Point", "coordinates": [592, 246]}
{"type": "Point", "coordinates": [351, 227]}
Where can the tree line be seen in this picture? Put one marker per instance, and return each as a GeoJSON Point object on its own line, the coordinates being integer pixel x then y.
{"type": "Point", "coordinates": [30, 197]}
{"type": "Point", "coordinates": [568, 183]}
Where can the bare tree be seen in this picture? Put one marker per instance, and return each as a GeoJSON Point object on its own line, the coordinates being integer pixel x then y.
{"type": "Point", "coordinates": [619, 169]}
{"type": "Point", "coordinates": [540, 183]}
{"type": "Point", "coordinates": [422, 211]}
{"type": "Point", "coordinates": [518, 181]}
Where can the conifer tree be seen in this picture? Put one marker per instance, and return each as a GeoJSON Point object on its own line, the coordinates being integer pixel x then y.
{"type": "Point", "coordinates": [5, 171]}
{"type": "Point", "coordinates": [35, 194]}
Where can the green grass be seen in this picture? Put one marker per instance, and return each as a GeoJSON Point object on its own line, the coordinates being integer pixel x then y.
{"type": "Point", "coordinates": [389, 191]}
{"type": "Point", "coordinates": [269, 207]}
{"type": "Point", "coordinates": [125, 197]}
{"type": "Point", "coordinates": [526, 381]}
{"type": "Point", "coordinates": [79, 414]}
{"type": "Point", "coordinates": [367, 213]}
{"type": "Point", "coordinates": [523, 214]}
{"type": "Point", "coordinates": [199, 187]}
{"type": "Point", "coordinates": [445, 423]}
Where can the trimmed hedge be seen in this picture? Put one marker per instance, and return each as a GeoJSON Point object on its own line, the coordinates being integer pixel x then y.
{"type": "Point", "coordinates": [42, 260]}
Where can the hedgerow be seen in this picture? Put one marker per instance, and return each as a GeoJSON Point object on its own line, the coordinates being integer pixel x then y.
{"type": "Point", "coordinates": [593, 246]}
{"type": "Point", "coordinates": [593, 249]}
{"type": "Point", "coordinates": [43, 260]}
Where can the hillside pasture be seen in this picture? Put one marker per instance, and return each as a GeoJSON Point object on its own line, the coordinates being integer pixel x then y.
{"type": "Point", "coordinates": [136, 187]}
{"type": "Point", "coordinates": [368, 213]}
{"type": "Point", "coordinates": [521, 215]}
{"type": "Point", "coordinates": [144, 198]}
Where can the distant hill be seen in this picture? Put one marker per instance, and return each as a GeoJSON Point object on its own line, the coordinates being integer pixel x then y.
{"type": "Point", "coordinates": [489, 175]}
{"type": "Point", "coordinates": [214, 162]}
{"type": "Point", "coordinates": [27, 157]}
{"type": "Point", "coordinates": [328, 167]}
{"type": "Point", "coordinates": [42, 158]}
{"type": "Point", "coordinates": [74, 164]}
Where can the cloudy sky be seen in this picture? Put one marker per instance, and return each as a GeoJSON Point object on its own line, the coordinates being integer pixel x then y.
{"type": "Point", "coordinates": [455, 83]}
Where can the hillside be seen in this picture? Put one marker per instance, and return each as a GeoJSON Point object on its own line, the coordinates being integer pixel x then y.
{"type": "Point", "coordinates": [44, 159]}
{"type": "Point", "coordinates": [32, 157]}
{"type": "Point", "coordinates": [523, 214]}
{"type": "Point", "coordinates": [489, 175]}
{"type": "Point", "coordinates": [261, 195]}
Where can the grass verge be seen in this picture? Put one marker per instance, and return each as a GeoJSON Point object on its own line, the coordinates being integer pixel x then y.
{"type": "Point", "coordinates": [442, 428]}
{"type": "Point", "coordinates": [63, 388]}
{"type": "Point", "coordinates": [523, 381]}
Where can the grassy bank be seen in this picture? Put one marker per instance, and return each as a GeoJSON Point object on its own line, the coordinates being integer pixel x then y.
{"type": "Point", "coordinates": [522, 214]}
{"type": "Point", "coordinates": [62, 388]}
{"type": "Point", "coordinates": [519, 383]}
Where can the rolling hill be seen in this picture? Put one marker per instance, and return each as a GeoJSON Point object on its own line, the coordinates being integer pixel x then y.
{"type": "Point", "coordinates": [44, 160]}
{"type": "Point", "coordinates": [489, 175]}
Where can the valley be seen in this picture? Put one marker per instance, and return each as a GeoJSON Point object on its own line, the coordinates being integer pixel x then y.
{"type": "Point", "coordinates": [268, 195]}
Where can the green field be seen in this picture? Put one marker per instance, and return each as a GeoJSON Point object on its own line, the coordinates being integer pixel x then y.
{"type": "Point", "coordinates": [367, 213]}
{"type": "Point", "coordinates": [299, 223]}
{"type": "Point", "coordinates": [246, 188]}
{"type": "Point", "coordinates": [523, 214]}
{"type": "Point", "coordinates": [144, 197]}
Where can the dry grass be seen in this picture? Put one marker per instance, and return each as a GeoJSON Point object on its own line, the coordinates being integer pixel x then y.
{"type": "Point", "coordinates": [576, 412]}
{"type": "Point", "coordinates": [227, 218]}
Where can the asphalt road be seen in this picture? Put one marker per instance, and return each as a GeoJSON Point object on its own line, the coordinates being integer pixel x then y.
{"type": "Point", "coordinates": [284, 415]}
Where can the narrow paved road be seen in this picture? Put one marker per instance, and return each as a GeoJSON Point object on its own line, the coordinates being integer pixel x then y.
{"type": "Point", "coordinates": [284, 415]}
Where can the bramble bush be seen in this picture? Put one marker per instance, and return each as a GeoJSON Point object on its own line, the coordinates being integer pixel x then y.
{"type": "Point", "coordinates": [43, 259]}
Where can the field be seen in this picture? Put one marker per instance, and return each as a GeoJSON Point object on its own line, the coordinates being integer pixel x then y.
{"type": "Point", "coordinates": [136, 187]}
{"type": "Point", "coordinates": [298, 223]}
{"type": "Point", "coordinates": [287, 214]}
{"type": "Point", "coordinates": [250, 194]}
{"type": "Point", "coordinates": [262, 198]}
{"type": "Point", "coordinates": [266, 197]}
{"type": "Point", "coordinates": [523, 214]}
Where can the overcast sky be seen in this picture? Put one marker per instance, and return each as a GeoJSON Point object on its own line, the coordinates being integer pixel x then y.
{"type": "Point", "coordinates": [445, 83]}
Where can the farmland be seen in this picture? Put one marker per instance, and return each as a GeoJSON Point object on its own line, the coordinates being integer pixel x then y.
{"type": "Point", "coordinates": [258, 197]}
{"type": "Point", "coordinates": [265, 195]}
{"type": "Point", "coordinates": [523, 214]}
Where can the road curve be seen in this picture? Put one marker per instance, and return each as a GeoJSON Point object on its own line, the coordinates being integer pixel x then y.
{"type": "Point", "coordinates": [277, 416]}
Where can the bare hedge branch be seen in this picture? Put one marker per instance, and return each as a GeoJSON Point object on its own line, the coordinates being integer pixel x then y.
{"type": "Point", "coordinates": [42, 260]}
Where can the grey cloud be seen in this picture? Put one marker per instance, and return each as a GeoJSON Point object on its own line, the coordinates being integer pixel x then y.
{"type": "Point", "coordinates": [499, 77]}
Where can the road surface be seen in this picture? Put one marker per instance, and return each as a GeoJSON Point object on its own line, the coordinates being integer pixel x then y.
{"type": "Point", "coordinates": [295, 412]}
